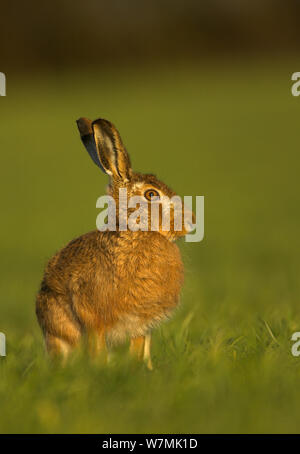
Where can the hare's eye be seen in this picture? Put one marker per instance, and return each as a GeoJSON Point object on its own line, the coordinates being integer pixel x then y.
{"type": "Point", "coordinates": [151, 194]}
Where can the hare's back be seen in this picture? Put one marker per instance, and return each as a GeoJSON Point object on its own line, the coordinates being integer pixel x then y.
{"type": "Point", "coordinates": [80, 260]}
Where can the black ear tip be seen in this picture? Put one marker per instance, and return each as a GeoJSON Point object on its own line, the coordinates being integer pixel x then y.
{"type": "Point", "coordinates": [79, 121]}
{"type": "Point", "coordinates": [85, 126]}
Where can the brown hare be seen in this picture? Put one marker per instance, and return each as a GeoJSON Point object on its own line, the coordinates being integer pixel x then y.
{"type": "Point", "coordinates": [112, 285]}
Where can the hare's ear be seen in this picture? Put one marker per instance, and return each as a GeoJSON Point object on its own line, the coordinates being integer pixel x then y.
{"type": "Point", "coordinates": [87, 137]}
{"type": "Point", "coordinates": [111, 151]}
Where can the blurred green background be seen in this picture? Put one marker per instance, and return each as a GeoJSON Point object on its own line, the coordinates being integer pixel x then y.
{"type": "Point", "coordinates": [222, 125]}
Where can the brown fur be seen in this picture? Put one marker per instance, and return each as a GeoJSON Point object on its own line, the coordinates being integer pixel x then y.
{"type": "Point", "coordinates": [111, 285]}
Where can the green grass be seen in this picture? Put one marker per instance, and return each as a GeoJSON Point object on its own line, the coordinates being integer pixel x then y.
{"type": "Point", "coordinates": [224, 363]}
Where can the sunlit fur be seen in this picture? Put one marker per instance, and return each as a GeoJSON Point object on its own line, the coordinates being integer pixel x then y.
{"type": "Point", "coordinates": [111, 286]}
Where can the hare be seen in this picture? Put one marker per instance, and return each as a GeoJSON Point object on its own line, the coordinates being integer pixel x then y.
{"type": "Point", "coordinates": [112, 285]}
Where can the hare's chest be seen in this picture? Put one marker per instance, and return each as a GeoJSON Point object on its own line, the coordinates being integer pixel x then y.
{"type": "Point", "coordinates": [148, 292]}
{"type": "Point", "coordinates": [145, 284]}
{"type": "Point", "coordinates": [151, 276]}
